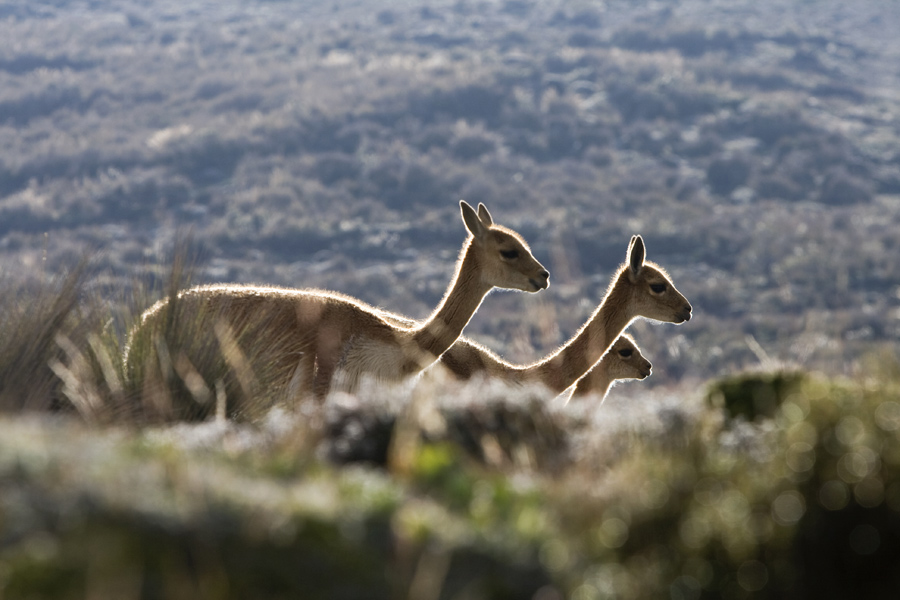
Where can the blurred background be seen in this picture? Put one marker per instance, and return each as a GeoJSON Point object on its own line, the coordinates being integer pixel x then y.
{"type": "Point", "coordinates": [754, 144]}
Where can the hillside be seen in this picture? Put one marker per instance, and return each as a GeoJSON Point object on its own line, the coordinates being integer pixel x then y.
{"type": "Point", "coordinates": [753, 145]}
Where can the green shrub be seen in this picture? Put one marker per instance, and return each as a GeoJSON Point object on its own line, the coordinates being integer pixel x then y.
{"type": "Point", "coordinates": [753, 395]}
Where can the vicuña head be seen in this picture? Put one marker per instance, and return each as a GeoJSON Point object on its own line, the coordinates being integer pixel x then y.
{"type": "Point", "coordinates": [314, 341]}
{"type": "Point", "coordinates": [623, 360]}
{"type": "Point", "coordinates": [503, 257]}
{"type": "Point", "coordinates": [649, 291]}
{"type": "Point", "coordinates": [639, 289]}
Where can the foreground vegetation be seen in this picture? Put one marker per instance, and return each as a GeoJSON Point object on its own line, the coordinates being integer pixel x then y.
{"type": "Point", "coordinates": [780, 484]}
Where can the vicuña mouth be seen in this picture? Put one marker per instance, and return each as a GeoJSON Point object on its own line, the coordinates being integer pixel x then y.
{"type": "Point", "coordinates": [538, 285]}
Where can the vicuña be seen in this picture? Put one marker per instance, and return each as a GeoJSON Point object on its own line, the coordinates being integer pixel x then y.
{"type": "Point", "coordinates": [316, 341]}
{"type": "Point", "coordinates": [623, 361]}
{"type": "Point", "coordinates": [639, 289]}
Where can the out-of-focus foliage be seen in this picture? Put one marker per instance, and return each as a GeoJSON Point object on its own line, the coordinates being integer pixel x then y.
{"type": "Point", "coordinates": [802, 503]}
{"type": "Point", "coordinates": [753, 395]}
{"type": "Point", "coordinates": [40, 320]}
{"type": "Point", "coordinates": [752, 144]}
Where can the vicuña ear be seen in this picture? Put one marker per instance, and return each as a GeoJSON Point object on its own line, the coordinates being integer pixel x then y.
{"type": "Point", "coordinates": [636, 253]}
{"type": "Point", "coordinates": [471, 219]}
{"type": "Point", "coordinates": [484, 215]}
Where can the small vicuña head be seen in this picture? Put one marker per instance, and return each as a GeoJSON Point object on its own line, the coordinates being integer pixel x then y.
{"type": "Point", "coordinates": [504, 257]}
{"type": "Point", "coordinates": [651, 293]}
{"type": "Point", "coordinates": [626, 361]}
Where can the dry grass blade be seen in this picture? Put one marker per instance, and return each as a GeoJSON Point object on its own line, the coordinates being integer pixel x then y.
{"type": "Point", "coordinates": [30, 322]}
{"type": "Point", "coordinates": [78, 384]}
{"type": "Point", "coordinates": [182, 354]}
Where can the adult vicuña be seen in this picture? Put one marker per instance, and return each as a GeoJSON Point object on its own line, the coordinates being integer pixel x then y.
{"type": "Point", "coordinates": [623, 360]}
{"type": "Point", "coordinates": [316, 341]}
{"type": "Point", "coordinates": [639, 289]}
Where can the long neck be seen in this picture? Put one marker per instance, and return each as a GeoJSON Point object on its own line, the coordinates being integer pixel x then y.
{"type": "Point", "coordinates": [568, 364]}
{"type": "Point", "coordinates": [433, 337]}
{"type": "Point", "coordinates": [597, 381]}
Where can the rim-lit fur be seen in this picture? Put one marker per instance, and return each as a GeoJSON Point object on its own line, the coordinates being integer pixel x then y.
{"type": "Point", "coordinates": [624, 360]}
{"type": "Point", "coordinates": [640, 289]}
{"type": "Point", "coordinates": [326, 341]}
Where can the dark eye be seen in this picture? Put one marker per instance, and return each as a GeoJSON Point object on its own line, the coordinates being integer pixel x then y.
{"type": "Point", "coordinates": [657, 288]}
{"type": "Point", "coordinates": [626, 352]}
{"type": "Point", "coordinates": [509, 254]}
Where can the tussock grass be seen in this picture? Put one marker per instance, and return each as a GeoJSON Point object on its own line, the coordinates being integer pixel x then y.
{"type": "Point", "coordinates": [186, 361]}
{"type": "Point", "coordinates": [37, 320]}
{"type": "Point", "coordinates": [70, 349]}
{"type": "Point", "coordinates": [191, 364]}
{"type": "Point", "coordinates": [89, 333]}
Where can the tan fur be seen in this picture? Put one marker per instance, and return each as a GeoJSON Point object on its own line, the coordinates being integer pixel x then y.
{"type": "Point", "coordinates": [324, 340]}
{"type": "Point", "coordinates": [623, 361]}
{"type": "Point", "coordinates": [631, 295]}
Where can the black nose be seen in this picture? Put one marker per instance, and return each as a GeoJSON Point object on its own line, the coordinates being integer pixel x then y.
{"type": "Point", "coordinates": [544, 274]}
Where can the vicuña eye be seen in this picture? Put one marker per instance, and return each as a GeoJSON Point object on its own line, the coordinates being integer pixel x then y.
{"type": "Point", "coordinates": [626, 352]}
{"type": "Point", "coordinates": [509, 254]}
{"type": "Point", "coordinates": [657, 288]}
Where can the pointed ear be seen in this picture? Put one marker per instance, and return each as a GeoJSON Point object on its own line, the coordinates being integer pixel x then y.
{"type": "Point", "coordinates": [470, 218]}
{"type": "Point", "coordinates": [636, 253]}
{"type": "Point", "coordinates": [484, 215]}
